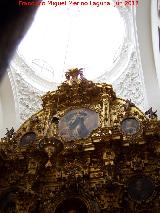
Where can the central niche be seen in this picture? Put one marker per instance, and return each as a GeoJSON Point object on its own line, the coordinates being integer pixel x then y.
{"type": "Point", "coordinates": [72, 205]}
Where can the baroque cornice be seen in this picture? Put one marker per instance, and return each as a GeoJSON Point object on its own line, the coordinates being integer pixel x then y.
{"type": "Point", "coordinates": [129, 85]}
{"type": "Point", "coordinates": [27, 98]}
{"type": "Point", "coordinates": [29, 74]}
{"type": "Point", "coordinates": [126, 75]}
{"type": "Point", "coordinates": [27, 88]}
{"type": "Point", "coordinates": [122, 56]}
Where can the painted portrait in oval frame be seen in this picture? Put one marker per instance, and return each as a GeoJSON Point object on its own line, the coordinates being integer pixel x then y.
{"type": "Point", "coordinates": [140, 188]}
{"type": "Point", "coordinates": [130, 126]}
{"type": "Point", "coordinates": [78, 124]}
{"type": "Point", "coordinates": [27, 138]}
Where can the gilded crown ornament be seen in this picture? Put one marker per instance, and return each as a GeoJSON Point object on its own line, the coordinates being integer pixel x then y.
{"type": "Point", "coordinates": [85, 151]}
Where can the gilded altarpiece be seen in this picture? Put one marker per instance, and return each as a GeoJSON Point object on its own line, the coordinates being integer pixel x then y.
{"type": "Point", "coordinates": [86, 151]}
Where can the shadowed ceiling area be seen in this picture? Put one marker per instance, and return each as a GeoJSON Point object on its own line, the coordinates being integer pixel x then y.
{"type": "Point", "coordinates": [14, 22]}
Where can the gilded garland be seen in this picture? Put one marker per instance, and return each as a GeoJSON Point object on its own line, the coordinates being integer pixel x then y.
{"type": "Point", "coordinates": [86, 151]}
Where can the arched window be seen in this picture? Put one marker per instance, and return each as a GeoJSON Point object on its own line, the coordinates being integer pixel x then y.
{"type": "Point", "coordinates": [69, 36]}
{"type": "Point", "coordinates": [101, 39]}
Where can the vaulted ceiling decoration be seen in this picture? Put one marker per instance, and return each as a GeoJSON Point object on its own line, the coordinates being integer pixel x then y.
{"type": "Point", "coordinates": [122, 69]}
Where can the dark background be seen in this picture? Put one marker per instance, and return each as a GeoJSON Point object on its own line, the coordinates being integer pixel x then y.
{"type": "Point", "coordinates": [14, 23]}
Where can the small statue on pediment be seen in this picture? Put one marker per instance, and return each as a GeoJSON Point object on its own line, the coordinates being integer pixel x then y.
{"type": "Point", "coordinates": [151, 114]}
{"type": "Point", "coordinates": [128, 104]}
{"type": "Point", "coordinates": [9, 134]}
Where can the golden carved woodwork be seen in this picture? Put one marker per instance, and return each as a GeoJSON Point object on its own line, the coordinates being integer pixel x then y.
{"type": "Point", "coordinates": [85, 151]}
